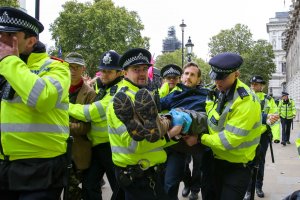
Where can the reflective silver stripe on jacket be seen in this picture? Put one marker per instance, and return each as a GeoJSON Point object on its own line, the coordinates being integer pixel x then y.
{"type": "Point", "coordinates": [131, 149]}
{"type": "Point", "coordinates": [36, 92]}
{"type": "Point", "coordinates": [121, 129]}
{"type": "Point", "coordinates": [87, 113]}
{"type": "Point", "coordinates": [223, 116]}
{"type": "Point", "coordinates": [239, 132]}
{"type": "Point", "coordinates": [23, 128]}
{"type": "Point", "coordinates": [100, 110]}
{"type": "Point", "coordinates": [99, 129]}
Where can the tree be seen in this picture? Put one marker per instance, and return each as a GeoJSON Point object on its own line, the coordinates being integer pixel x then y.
{"type": "Point", "coordinates": [93, 28]}
{"type": "Point", "coordinates": [175, 58]}
{"type": "Point", "coordinates": [257, 55]}
{"type": "Point", "coordinates": [10, 3]}
{"type": "Point", "coordinates": [258, 61]}
{"type": "Point", "coordinates": [237, 39]}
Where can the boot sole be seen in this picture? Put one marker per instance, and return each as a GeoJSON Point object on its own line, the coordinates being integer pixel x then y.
{"type": "Point", "coordinates": [146, 109]}
{"type": "Point", "coordinates": [124, 110]}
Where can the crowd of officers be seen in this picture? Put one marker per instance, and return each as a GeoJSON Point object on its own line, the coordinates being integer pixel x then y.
{"type": "Point", "coordinates": [140, 135]}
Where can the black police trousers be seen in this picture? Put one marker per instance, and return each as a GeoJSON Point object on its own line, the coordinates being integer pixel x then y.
{"type": "Point", "coordinates": [34, 178]}
{"type": "Point", "coordinates": [138, 184]}
{"type": "Point", "coordinates": [230, 180]}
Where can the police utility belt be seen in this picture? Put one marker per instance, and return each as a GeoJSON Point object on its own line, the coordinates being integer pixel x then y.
{"type": "Point", "coordinates": [142, 169]}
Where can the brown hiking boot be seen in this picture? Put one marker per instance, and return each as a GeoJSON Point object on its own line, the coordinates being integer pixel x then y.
{"type": "Point", "coordinates": [146, 110]}
{"type": "Point", "coordinates": [124, 110]}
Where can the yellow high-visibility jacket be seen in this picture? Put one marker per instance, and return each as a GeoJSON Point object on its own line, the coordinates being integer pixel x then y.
{"type": "Point", "coordinates": [235, 133]}
{"type": "Point", "coordinates": [35, 122]}
{"type": "Point", "coordinates": [125, 150]}
{"type": "Point", "coordinates": [96, 114]}
{"type": "Point", "coordinates": [287, 110]}
{"type": "Point", "coordinates": [270, 107]}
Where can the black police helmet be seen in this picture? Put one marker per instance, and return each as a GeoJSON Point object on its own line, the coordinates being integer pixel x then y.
{"type": "Point", "coordinates": [110, 60]}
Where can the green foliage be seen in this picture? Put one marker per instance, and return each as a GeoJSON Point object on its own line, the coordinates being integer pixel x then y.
{"type": "Point", "coordinates": [258, 61]}
{"type": "Point", "coordinates": [175, 58]}
{"type": "Point", "coordinates": [237, 39]}
{"type": "Point", "coordinates": [93, 28]}
{"type": "Point", "coordinates": [257, 55]}
{"type": "Point", "coordinates": [10, 3]}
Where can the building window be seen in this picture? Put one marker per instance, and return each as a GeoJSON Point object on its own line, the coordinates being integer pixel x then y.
{"type": "Point", "coordinates": [283, 67]}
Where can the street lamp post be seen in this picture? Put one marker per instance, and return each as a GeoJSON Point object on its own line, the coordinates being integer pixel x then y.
{"type": "Point", "coordinates": [189, 48]}
{"type": "Point", "coordinates": [182, 25]}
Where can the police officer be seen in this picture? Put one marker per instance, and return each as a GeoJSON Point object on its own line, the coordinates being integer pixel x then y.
{"type": "Point", "coordinates": [268, 107]}
{"type": "Point", "coordinates": [287, 112]}
{"type": "Point", "coordinates": [34, 112]}
{"type": "Point", "coordinates": [171, 77]}
{"type": "Point", "coordinates": [110, 79]}
{"type": "Point", "coordinates": [136, 132]}
{"type": "Point", "coordinates": [234, 122]}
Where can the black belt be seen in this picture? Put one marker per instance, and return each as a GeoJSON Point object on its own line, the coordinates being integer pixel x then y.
{"type": "Point", "coordinates": [137, 171]}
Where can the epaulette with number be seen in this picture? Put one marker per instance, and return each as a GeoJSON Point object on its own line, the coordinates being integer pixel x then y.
{"type": "Point", "coordinates": [242, 92]}
{"type": "Point", "coordinates": [56, 58]}
{"type": "Point", "coordinates": [113, 90]}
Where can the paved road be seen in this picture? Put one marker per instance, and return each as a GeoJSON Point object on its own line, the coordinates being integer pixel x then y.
{"type": "Point", "coordinates": [281, 177]}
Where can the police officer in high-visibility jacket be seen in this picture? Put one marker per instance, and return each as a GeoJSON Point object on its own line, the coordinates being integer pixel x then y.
{"type": "Point", "coordinates": [110, 79]}
{"type": "Point", "coordinates": [34, 112]}
{"type": "Point", "coordinates": [137, 133]}
{"type": "Point", "coordinates": [269, 108]}
{"type": "Point", "coordinates": [287, 112]}
{"type": "Point", "coordinates": [234, 121]}
{"type": "Point", "coordinates": [171, 77]}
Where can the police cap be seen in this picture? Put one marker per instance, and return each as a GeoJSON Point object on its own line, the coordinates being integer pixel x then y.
{"type": "Point", "coordinates": [171, 70]}
{"type": "Point", "coordinates": [75, 58]}
{"type": "Point", "coordinates": [257, 79]}
{"type": "Point", "coordinates": [110, 60]}
{"type": "Point", "coordinates": [284, 94]}
{"type": "Point", "coordinates": [15, 20]}
{"type": "Point", "coordinates": [223, 64]}
{"type": "Point", "coordinates": [135, 56]}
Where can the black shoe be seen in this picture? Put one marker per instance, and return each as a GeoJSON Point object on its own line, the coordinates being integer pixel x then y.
{"type": "Point", "coordinates": [260, 193]}
{"type": "Point", "coordinates": [193, 196]}
{"type": "Point", "coordinates": [283, 143]}
{"type": "Point", "coordinates": [124, 110]}
{"type": "Point", "coordinates": [247, 196]}
{"type": "Point", "coordinates": [186, 191]}
{"type": "Point", "coordinates": [146, 110]}
{"type": "Point", "coordinates": [288, 142]}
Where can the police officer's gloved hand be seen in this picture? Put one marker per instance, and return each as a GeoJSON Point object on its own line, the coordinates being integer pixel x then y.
{"type": "Point", "coordinates": [181, 123]}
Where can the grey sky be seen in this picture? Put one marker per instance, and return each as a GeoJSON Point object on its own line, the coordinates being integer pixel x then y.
{"type": "Point", "coordinates": [203, 18]}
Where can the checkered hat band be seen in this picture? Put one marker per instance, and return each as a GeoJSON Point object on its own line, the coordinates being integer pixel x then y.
{"type": "Point", "coordinates": [139, 57]}
{"type": "Point", "coordinates": [19, 22]}
{"type": "Point", "coordinates": [218, 70]}
{"type": "Point", "coordinates": [171, 71]}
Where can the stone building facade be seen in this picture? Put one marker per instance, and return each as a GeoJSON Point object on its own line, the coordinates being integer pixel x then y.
{"type": "Point", "coordinates": [291, 45]}
{"type": "Point", "coordinates": [275, 29]}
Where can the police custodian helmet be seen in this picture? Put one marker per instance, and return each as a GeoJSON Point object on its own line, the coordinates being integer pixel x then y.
{"type": "Point", "coordinates": [15, 20]}
{"type": "Point", "coordinates": [110, 60]}
{"type": "Point", "coordinates": [223, 64]}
